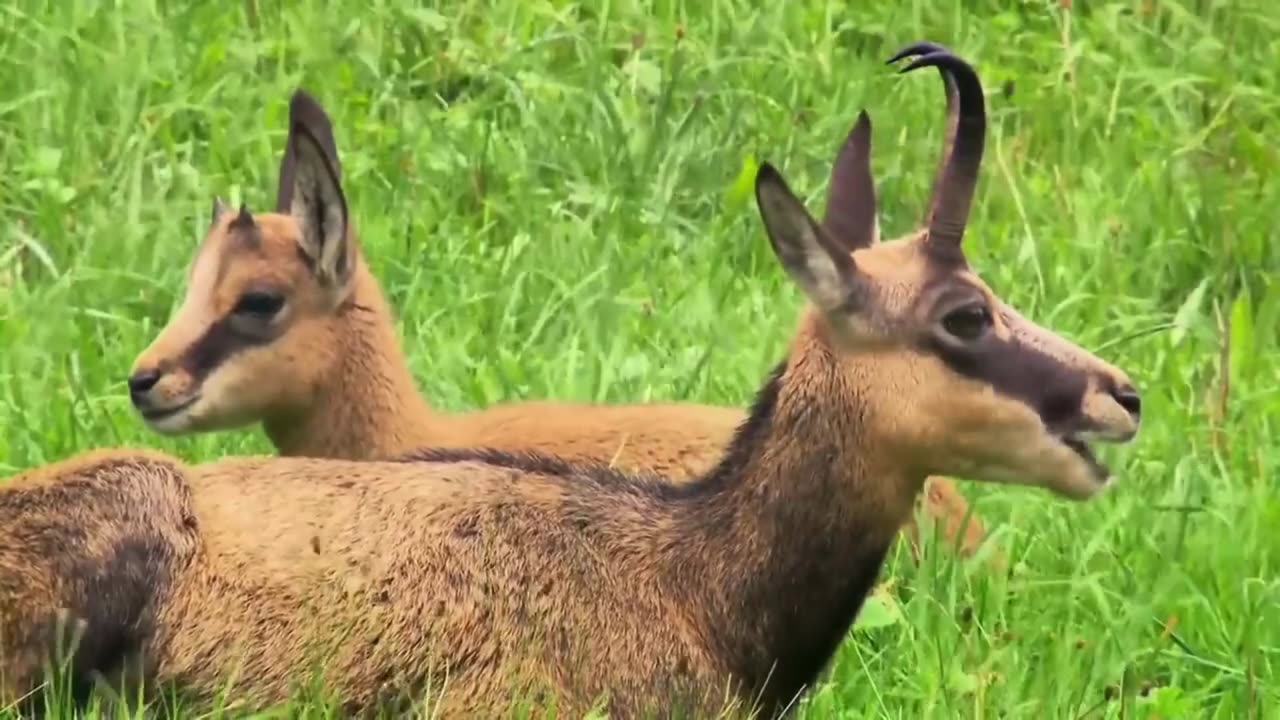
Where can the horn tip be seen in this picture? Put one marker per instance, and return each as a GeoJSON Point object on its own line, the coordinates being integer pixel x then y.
{"type": "Point", "coordinates": [923, 61]}
{"type": "Point", "coordinates": [244, 218]}
{"type": "Point", "coordinates": [920, 47]}
{"type": "Point", "coordinates": [766, 172]}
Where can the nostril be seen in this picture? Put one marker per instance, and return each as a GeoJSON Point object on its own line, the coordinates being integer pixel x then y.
{"type": "Point", "coordinates": [143, 380]}
{"type": "Point", "coordinates": [1129, 400]}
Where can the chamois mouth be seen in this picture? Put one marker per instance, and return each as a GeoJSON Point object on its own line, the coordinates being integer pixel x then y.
{"type": "Point", "coordinates": [157, 416]}
{"type": "Point", "coordinates": [1101, 473]}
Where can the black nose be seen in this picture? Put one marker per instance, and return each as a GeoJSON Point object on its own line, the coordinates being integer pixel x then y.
{"type": "Point", "coordinates": [142, 381]}
{"type": "Point", "coordinates": [1129, 399]}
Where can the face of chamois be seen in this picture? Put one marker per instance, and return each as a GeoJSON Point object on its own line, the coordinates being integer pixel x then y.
{"type": "Point", "coordinates": [954, 380]}
{"type": "Point", "coordinates": [257, 331]}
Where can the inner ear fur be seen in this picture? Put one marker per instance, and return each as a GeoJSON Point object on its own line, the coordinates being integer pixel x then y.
{"type": "Point", "coordinates": [317, 203]}
{"type": "Point", "coordinates": [820, 265]}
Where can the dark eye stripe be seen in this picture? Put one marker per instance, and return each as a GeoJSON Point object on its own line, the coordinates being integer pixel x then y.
{"type": "Point", "coordinates": [218, 344]}
{"type": "Point", "coordinates": [1052, 388]}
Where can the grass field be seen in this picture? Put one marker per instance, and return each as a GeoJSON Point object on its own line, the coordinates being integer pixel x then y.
{"type": "Point", "coordinates": [556, 197]}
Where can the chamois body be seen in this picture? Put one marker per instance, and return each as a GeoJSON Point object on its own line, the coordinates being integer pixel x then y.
{"type": "Point", "coordinates": [545, 571]}
{"type": "Point", "coordinates": [529, 573]}
{"type": "Point", "coordinates": [331, 379]}
{"type": "Point", "coordinates": [495, 576]}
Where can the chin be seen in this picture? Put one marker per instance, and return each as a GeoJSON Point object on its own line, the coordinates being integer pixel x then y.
{"type": "Point", "coordinates": [190, 417]}
{"type": "Point", "coordinates": [1078, 479]}
{"type": "Point", "coordinates": [1085, 476]}
{"type": "Point", "coordinates": [1060, 469]}
{"type": "Point", "coordinates": [174, 423]}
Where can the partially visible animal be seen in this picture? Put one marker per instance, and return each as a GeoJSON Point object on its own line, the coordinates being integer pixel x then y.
{"type": "Point", "coordinates": [509, 574]}
{"type": "Point", "coordinates": [283, 324]}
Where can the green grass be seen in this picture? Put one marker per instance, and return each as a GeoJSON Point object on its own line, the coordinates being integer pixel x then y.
{"type": "Point", "coordinates": [552, 194]}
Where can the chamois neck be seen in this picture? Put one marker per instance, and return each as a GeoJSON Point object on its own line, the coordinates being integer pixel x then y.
{"type": "Point", "coordinates": [783, 549]}
{"type": "Point", "coordinates": [369, 407]}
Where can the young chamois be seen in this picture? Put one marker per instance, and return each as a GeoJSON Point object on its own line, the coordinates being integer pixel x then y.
{"type": "Point", "coordinates": [506, 573]}
{"type": "Point", "coordinates": [284, 324]}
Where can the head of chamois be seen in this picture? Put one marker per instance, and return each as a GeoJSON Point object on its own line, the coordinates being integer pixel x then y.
{"type": "Point", "coordinates": [270, 301]}
{"type": "Point", "coordinates": [957, 380]}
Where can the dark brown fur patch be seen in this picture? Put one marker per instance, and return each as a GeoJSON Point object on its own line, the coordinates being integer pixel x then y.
{"type": "Point", "coordinates": [809, 612]}
{"type": "Point", "coordinates": [113, 536]}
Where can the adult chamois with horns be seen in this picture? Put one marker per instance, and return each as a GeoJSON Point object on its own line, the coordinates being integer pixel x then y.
{"type": "Point", "coordinates": [495, 574]}
{"type": "Point", "coordinates": [284, 324]}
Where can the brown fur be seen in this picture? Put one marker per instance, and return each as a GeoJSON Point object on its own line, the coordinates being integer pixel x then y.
{"type": "Point", "coordinates": [332, 381]}
{"type": "Point", "coordinates": [515, 572]}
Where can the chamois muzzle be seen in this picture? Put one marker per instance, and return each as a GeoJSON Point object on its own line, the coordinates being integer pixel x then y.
{"type": "Point", "coordinates": [146, 395]}
{"type": "Point", "coordinates": [140, 382]}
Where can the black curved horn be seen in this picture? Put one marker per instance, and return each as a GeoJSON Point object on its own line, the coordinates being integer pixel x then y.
{"type": "Point", "coordinates": [959, 173]}
{"type": "Point", "coordinates": [952, 116]}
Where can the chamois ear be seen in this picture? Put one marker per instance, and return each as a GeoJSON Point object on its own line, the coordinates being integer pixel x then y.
{"type": "Point", "coordinates": [819, 265]}
{"type": "Point", "coordinates": [318, 205]}
{"type": "Point", "coordinates": [850, 215]}
{"type": "Point", "coordinates": [306, 111]}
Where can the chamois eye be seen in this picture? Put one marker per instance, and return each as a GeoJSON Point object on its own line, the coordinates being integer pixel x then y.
{"type": "Point", "coordinates": [967, 323]}
{"type": "Point", "coordinates": [261, 305]}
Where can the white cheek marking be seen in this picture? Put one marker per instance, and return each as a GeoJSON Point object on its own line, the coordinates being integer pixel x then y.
{"type": "Point", "coordinates": [197, 304]}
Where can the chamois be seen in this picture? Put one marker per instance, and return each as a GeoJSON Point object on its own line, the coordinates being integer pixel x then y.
{"type": "Point", "coordinates": [497, 574]}
{"type": "Point", "coordinates": [284, 324]}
